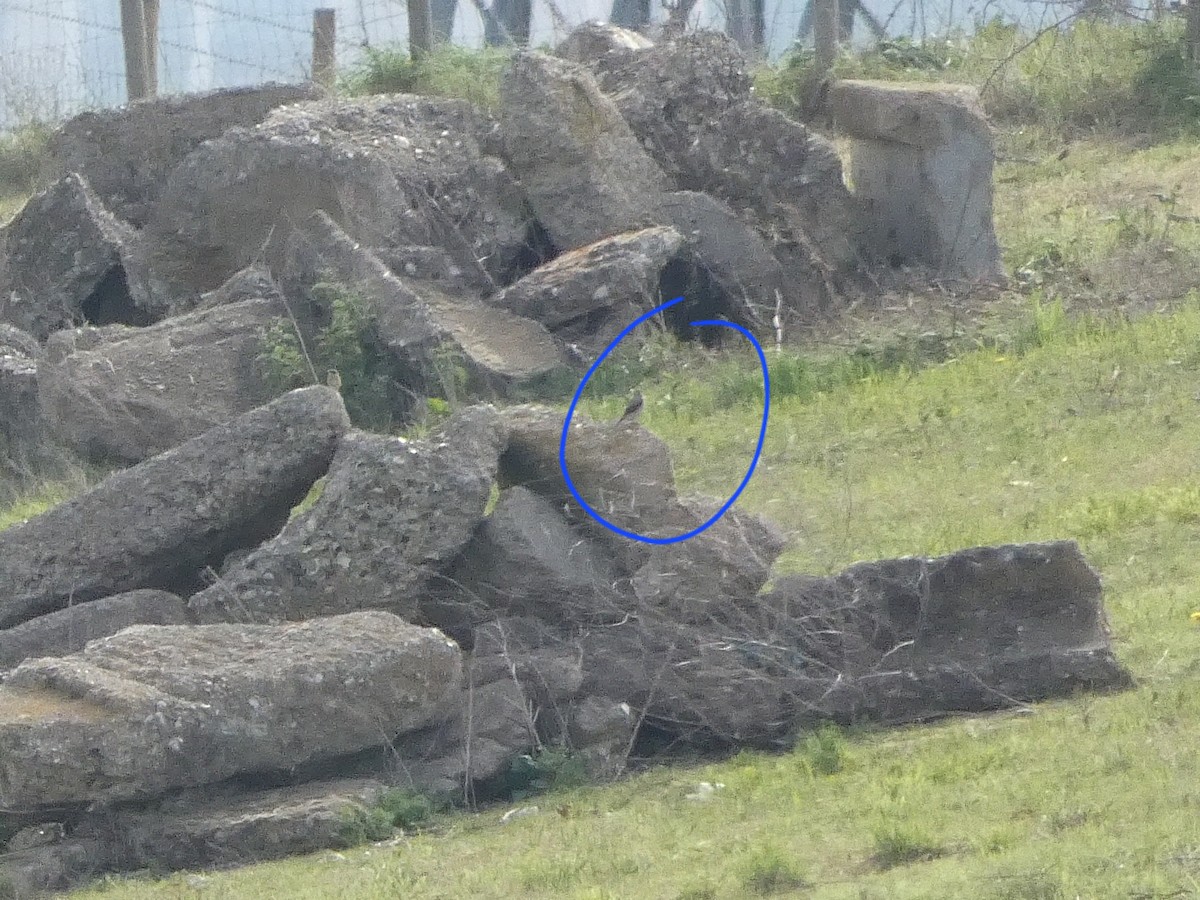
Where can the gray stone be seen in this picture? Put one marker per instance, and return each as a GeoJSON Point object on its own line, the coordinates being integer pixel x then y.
{"type": "Point", "coordinates": [583, 170]}
{"type": "Point", "coordinates": [690, 680]}
{"type": "Point", "coordinates": [392, 513]}
{"type": "Point", "coordinates": [195, 831]}
{"type": "Point", "coordinates": [587, 296]}
{"type": "Point", "coordinates": [62, 263]}
{"type": "Point", "coordinates": [601, 731]}
{"type": "Point", "coordinates": [255, 282]}
{"type": "Point", "coordinates": [490, 727]}
{"type": "Point", "coordinates": [714, 576]}
{"type": "Point", "coordinates": [236, 200]}
{"type": "Point", "coordinates": [978, 629]}
{"type": "Point", "coordinates": [921, 164]}
{"type": "Point", "coordinates": [749, 281]}
{"type": "Point", "coordinates": [127, 394]}
{"type": "Point", "coordinates": [689, 101]}
{"type": "Point", "coordinates": [69, 630]}
{"type": "Point", "coordinates": [594, 40]}
{"type": "Point", "coordinates": [127, 153]}
{"type": "Point", "coordinates": [756, 158]}
{"type": "Point", "coordinates": [159, 523]}
{"type": "Point", "coordinates": [37, 871]}
{"type": "Point", "coordinates": [28, 454]}
{"type": "Point", "coordinates": [425, 264]}
{"type": "Point", "coordinates": [160, 707]}
{"type": "Point", "coordinates": [412, 319]}
{"type": "Point", "coordinates": [464, 199]}
{"type": "Point", "coordinates": [527, 560]}
{"type": "Point", "coordinates": [624, 473]}
{"type": "Point", "coordinates": [671, 94]}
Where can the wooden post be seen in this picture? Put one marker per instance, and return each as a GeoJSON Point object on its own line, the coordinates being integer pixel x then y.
{"type": "Point", "coordinates": [825, 35]}
{"type": "Point", "coordinates": [1193, 32]}
{"type": "Point", "coordinates": [133, 33]}
{"type": "Point", "coordinates": [324, 50]}
{"type": "Point", "coordinates": [420, 28]}
{"type": "Point", "coordinates": [150, 16]}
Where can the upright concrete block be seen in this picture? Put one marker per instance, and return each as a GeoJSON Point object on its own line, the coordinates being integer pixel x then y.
{"type": "Point", "coordinates": [922, 163]}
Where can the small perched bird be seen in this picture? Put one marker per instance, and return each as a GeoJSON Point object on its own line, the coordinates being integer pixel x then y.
{"type": "Point", "coordinates": [334, 379]}
{"type": "Point", "coordinates": [633, 409]}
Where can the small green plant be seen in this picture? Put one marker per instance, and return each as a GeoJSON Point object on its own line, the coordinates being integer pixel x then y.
{"type": "Point", "coordinates": [449, 72]}
{"type": "Point", "coordinates": [701, 891]}
{"type": "Point", "coordinates": [310, 499]}
{"type": "Point", "coordinates": [901, 844]}
{"type": "Point", "coordinates": [768, 870]}
{"type": "Point", "coordinates": [548, 769]}
{"type": "Point", "coordinates": [346, 342]}
{"type": "Point", "coordinates": [41, 499]}
{"type": "Point", "coordinates": [409, 809]}
{"type": "Point", "coordinates": [361, 825]}
{"type": "Point", "coordinates": [451, 376]}
{"type": "Point", "coordinates": [824, 750]}
{"type": "Point", "coordinates": [23, 155]}
{"type": "Point", "coordinates": [1047, 323]}
{"type": "Point", "coordinates": [396, 808]}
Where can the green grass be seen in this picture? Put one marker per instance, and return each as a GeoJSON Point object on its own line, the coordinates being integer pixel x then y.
{"type": "Point", "coordinates": [449, 72]}
{"type": "Point", "coordinates": [36, 501]}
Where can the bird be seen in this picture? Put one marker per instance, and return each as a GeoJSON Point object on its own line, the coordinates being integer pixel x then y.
{"type": "Point", "coordinates": [334, 379]}
{"type": "Point", "coordinates": [633, 409]}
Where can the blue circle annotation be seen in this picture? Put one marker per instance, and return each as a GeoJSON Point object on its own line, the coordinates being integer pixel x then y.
{"type": "Point", "coordinates": [762, 432]}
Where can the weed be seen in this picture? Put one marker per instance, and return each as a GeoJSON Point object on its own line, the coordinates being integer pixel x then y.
{"type": "Point", "coordinates": [346, 342]}
{"type": "Point", "coordinates": [409, 809]}
{"type": "Point", "coordinates": [899, 844]}
{"type": "Point", "coordinates": [548, 769]}
{"type": "Point", "coordinates": [768, 870]}
{"type": "Point", "coordinates": [43, 498]}
{"type": "Point", "coordinates": [540, 873]}
{"type": "Point", "coordinates": [824, 750]}
{"type": "Point", "coordinates": [310, 499]}
{"type": "Point", "coordinates": [396, 808]}
{"type": "Point", "coordinates": [361, 825]}
{"type": "Point", "coordinates": [23, 155]}
{"type": "Point", "coordinates": [449, 72]}
{"type": "Point", "coordinates": [1047, 324]}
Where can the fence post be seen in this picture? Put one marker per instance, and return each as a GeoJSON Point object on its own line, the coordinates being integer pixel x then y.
{"type": "Point", "coordinates": [420, 28]}
{"type": "Point", "coordinates": [324, 49]}
{"type": "Point", "coordinates": [825, 35]}
{"type": "Point", "coordinates": [150, 16]}
{"type": "Point", "coordinates": [1193, 32]}
{"type": "Point", "coordinates": [133, 33]}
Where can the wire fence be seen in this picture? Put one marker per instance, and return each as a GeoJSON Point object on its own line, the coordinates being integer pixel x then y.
{"type": "Point", "coordinates": [63, 56]}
